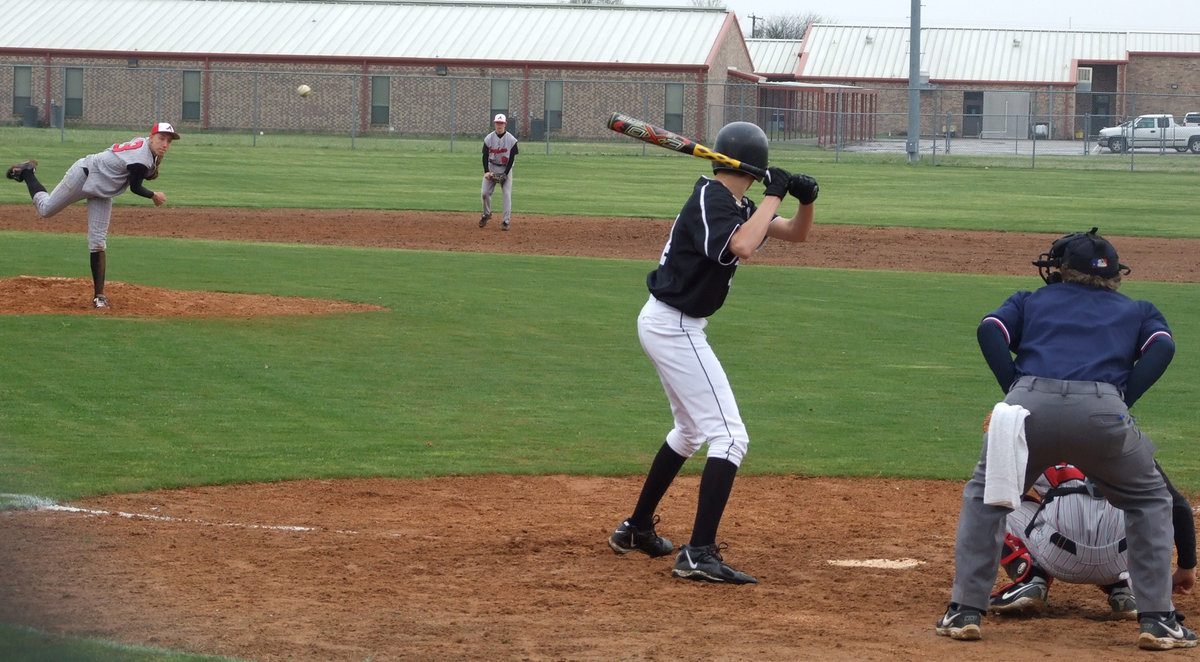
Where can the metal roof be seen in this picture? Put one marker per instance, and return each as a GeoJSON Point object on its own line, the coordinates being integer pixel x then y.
{"type": "Point", "coordinates": [974, 54]}
{"type": "Point", "coordinates": [774, 57]}
{"type": "Point", "coordinates": [563, 33]}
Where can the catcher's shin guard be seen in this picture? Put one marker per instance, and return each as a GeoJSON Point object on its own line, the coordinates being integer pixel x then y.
{"type": "Point", "coordinates": [1016, 561]}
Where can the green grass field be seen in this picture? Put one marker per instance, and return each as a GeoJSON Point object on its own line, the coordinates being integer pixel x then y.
{"type": "Point", "coordinates": [848, 373]}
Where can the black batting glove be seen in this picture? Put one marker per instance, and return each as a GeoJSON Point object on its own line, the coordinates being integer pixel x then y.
{"type": "Point", "coordinates": [777, 182]}
{"type": "Point", "coordinates": [803, 188]}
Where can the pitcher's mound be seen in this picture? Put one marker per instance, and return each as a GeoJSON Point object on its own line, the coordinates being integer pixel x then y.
{"type": "Point", "coordinates": [50, 295]}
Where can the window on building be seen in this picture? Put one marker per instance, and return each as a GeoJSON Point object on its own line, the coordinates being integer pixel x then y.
{"type": "Point", "coordinates": [191, 95]}
{"type": "Point", "coordinates": [673, 107]}
{"type": "Point", "coordinates": [74, 95]}
{"type": "Point", "coordinates": [381, 95]}
{"type": "Point", "coordinates": [554, 104]}
{"type": "Point", "coordinates": [22, 89]}
{"type": "Point", "coordinates": [500, 92]}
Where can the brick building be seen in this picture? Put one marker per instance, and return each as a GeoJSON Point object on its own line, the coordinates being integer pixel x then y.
{"type": "Point", "coordinates": [1007, 83]}
{"type": "Point", "coordinates": [375, 66]}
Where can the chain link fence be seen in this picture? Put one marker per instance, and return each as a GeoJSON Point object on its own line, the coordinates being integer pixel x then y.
{"type": "Point", "coordinates": [256, 102]}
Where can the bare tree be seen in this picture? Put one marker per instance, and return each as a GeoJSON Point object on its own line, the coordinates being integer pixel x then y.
{"type": "Point", "coordinates": [716, 4]}
{"type": "Point", "coordinates": [784, 26]}
{"type": "Point", "coordinates": [595, 2]}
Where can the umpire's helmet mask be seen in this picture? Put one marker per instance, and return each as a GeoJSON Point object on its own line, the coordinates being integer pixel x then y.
{"type": "Point", "coordinates": [1086, 252]}
{"type": "Point", "coordinates": [743, 141]}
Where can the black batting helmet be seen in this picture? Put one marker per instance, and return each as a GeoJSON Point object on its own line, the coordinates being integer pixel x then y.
{"type": "Point", "coordinates": [743, 141]}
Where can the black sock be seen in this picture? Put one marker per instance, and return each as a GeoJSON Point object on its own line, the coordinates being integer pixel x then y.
{"type": "Point", "coordinates": [33, 184]}
{"type": "Point", "coordinates": [98, 263]}
{"type": "Point", "coordinates": [663, 469]}
{"type": "Point", "coordinates": [715, 485]}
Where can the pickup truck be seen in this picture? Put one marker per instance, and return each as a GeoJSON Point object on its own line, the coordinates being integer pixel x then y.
{"type": "Point", "coordinates": [1157, 131]}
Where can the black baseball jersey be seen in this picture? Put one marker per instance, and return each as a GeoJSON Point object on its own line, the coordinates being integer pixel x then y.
{"type": "Point", "coordinates": [696, 267]}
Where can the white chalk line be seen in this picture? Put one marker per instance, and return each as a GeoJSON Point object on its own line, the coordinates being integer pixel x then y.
{"type": "Point", "coordinates": [30, 502]}
{"type": "Point", "coordinates": [889, 564]}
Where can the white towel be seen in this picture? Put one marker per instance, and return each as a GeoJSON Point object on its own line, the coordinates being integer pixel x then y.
{"type": "Point", "coordinates": [1007, 453]}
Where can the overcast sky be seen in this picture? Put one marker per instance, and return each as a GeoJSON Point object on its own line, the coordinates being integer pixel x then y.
{"type": "Point", "coordinates": [1044, 14]}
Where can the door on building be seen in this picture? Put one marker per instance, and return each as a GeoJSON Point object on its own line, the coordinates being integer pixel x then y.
{"type": "Point", "coordinates": [1102, 116]}
{"type": "Point", "coordinates": [972, 114]}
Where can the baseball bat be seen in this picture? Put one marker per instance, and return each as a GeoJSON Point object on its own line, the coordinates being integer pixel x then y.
{"type": "Point", "coordinates": [656, 135]}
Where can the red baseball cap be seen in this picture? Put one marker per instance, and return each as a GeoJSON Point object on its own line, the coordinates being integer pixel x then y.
{"type": "Point", "coordinates": [165, 127]}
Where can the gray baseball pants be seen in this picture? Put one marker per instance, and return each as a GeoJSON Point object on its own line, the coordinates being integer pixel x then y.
{"type": "Point", "coordinates": [68, 192]}
{"type": "Point", "coordinates": [1086, 424]}
{"type": "Point", "coordinates": [485, 193]}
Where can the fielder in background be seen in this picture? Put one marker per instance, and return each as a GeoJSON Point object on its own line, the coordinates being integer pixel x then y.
{"type": "Point", "coordinates": [1067, 531]}
{"type": "Point", "coordinates": [1084, 354]}
{"type": "Point", "coordinates": [717, 227]}
{"type": "Point", "coordinates": [499, 152]}
{"type": "Point", "coordinates": [98, 178]}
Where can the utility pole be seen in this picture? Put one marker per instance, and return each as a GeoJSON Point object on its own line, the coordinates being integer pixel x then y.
{"type": "Point", "coordinates": [754, 26]}
{"type": "Point", "coordinates": [913, 146]}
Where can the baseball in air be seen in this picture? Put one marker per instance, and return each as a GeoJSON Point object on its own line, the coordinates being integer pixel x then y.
{"type": "Point", "coordinates": [304, 90]}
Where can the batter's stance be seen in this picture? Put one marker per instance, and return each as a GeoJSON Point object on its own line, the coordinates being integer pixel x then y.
{"type": "Point", "coordinates": [717, 227]}
{"type": "Point", "coordinates": [1084, 353]}
{"type": "Point", "coordinates": [499, 153]}
{"type": "Point", "coordinates": [99, 178]}
{"type": "Point", "coordinates": [1068, 532]}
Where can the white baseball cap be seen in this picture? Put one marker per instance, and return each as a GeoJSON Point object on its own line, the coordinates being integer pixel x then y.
{"type": "Point", "coordinates": [165, 127]}
{"type": "Point", "coordinates": [500, 118]}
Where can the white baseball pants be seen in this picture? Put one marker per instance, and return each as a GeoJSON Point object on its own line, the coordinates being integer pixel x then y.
{"type": "Point", "coordinates": [702, 401]}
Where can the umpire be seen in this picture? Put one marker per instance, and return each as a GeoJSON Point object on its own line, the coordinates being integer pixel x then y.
{"type": "Point", "coordinates": [1084, 354]}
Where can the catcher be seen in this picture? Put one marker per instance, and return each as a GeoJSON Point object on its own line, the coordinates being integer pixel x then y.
{"type": "Point", "coordinates": [1066, 530]}
{"type": "Point", "coordinates": [499, 152]}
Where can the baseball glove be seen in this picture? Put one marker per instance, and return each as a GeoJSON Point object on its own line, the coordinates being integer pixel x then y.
{"type": "Point", "coordinates": [499, 178]}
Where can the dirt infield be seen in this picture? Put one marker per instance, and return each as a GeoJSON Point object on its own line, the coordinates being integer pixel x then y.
{"type": "Point", "coordinates": [515, 567]}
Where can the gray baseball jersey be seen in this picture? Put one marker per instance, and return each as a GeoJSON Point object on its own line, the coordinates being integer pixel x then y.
{"type": "Point", "coordinates": [108, 174]}
{"type": "Point", "coordinates": [500, 150]}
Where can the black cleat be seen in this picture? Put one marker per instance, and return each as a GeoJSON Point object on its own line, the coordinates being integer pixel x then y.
{"type": "Point", "coordinates": [706, 565]}
{"type": "Point", "coordinates": [19, 171]}
{"type": "Point", "coordinates": [1159, 634]}
{"type": "Point", "coordinates": [960, 623]}
{"type": "Point", "coordinates": [629, 538]}
{"type": "Point", "coordinates": [1027, 598]}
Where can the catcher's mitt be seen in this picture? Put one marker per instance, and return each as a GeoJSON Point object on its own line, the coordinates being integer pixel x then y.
{"type": "Point", "coordinates": [499, 179]}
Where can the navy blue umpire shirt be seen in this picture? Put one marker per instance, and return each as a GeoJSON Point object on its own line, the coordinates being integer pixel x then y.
{"type": "Point", "coordinates": [1077, 332]}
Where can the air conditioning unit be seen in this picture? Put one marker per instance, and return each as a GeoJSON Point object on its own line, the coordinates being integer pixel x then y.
{"type": "Point", "coordinates": [1083, 79]}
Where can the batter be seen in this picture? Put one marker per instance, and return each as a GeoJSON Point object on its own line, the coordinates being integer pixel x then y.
{"type": "Point", "coordinates": [716, 229]}
{"type": "Point", "coordinates": [98, 178]}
